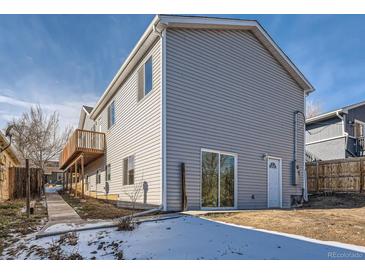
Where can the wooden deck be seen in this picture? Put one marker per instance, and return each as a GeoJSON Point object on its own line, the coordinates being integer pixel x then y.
{"type": "Point", "coordinates": [90, 143]}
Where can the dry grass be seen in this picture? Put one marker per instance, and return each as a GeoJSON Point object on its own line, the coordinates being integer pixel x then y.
{"type": "Point", "coordinates": [14, 223]}
{"type": "Point", "coordinates": [93, 208]}
{"type": "Point", "coordinates": [126, 224]}
{"type": "Point", "coordinates": [338, 218]}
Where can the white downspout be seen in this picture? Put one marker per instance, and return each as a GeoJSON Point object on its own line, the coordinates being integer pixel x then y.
{"type": "Point", "coordinates": [344, 133]}
{"type": "Point", "coordinates": [305, 185]}
{"type": "Point", "coordinates": [163, 198]}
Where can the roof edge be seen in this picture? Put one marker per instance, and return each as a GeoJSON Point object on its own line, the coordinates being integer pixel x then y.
{"type": "Point", "coordinates": [324, 116]}
{"type": "Point", "coordinates": [164, 21]}
{"type": "Point", "coordinates": [11, 149]}
{"type": "Point", "coordinates": [100, 104]}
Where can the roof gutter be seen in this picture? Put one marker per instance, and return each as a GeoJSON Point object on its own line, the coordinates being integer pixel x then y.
{"type": "Point", "coordinates": [324, 116]}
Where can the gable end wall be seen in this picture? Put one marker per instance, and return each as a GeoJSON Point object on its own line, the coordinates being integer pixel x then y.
{"type": "Point", "coordinates": [225, 91]}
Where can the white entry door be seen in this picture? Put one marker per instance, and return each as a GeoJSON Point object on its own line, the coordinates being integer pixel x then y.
{"type": "Point", "coordinates": [274, 182]}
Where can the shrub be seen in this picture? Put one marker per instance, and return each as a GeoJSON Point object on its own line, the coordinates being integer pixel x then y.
{"type": "Point", "coordinates": [126, 224]}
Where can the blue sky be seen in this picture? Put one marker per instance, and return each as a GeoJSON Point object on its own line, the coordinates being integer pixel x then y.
{"type": "Point", "coordinates": [64, 61]}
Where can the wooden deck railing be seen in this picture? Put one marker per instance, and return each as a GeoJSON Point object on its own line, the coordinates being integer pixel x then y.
{"type": "Point", "coordinates": [82, 141]}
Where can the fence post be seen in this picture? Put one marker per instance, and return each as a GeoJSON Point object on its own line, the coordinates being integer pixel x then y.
{"type": "Point", "coordinates": [27, 186]}
{"type": "Point", "coordinates": [317, 176]}
{"type": "Point", "coordinates": [361, 176]}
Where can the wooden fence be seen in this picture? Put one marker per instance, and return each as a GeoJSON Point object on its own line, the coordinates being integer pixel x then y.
{"type": "Point", "coordinates": [17, 182]}
{"type": "Point", "coordinates": [343, 175]}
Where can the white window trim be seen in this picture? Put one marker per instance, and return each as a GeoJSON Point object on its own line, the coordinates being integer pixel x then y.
{"type": "Point", "coordinates": [115, 119]}
{"type": "Point", "coordinates": [150, 55]}
{"type": "Point", "coordinates": [134, 168]}
{"type": "Point", "coordinates": [235, 155]}
{"type": "Point", "coordinates": [144, 75]}
{"type": "Point", "coordinates": [280, 178]}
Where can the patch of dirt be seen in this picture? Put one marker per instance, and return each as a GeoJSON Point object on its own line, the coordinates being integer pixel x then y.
{"type": "Point", "coordinates": [92, 208]}
{"type": "Point", "coordinates": [340, 218]}
{"type": "Point", "coordinates": [14, 223]}
{"type": "Point", "coordinates": [338, 200]}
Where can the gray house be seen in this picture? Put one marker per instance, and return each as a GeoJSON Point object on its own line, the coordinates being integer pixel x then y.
{"type": "Point", "coordinates": [337, 134]}
{"type": "Point", "coordinates": [204, 113]}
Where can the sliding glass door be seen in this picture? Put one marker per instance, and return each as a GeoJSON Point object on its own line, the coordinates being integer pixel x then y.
{"type": "Point", "coordinates": [218, 179]}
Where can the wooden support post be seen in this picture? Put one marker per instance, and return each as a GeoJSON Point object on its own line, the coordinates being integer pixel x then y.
{"type": "Point", "coordinates": [76, 178]}
{"type": "Point", "coordinates": [71, 180]}
{"type": "Point", "coordinates": [63, 180]}
{"type": "Point", "coordinates": [183, 188]}
{"type": "Point", "coordinates": [317, 176]}
{"type": "Point", "coordinates": [27, 186]}
{"type": "Point", "coordinates": [66, 178]}
{"type": "Point", "coordinates": [82, 178]}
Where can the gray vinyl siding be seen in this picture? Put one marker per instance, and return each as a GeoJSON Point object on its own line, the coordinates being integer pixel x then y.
{"type": "Point", "coordinates": [137, 131]}
{"type": "Point", "coordinates": [90, 170]}
{"type": "Point", "coordinates": [324, 129]}
{"type": "Point", "coordinates": [88, 124]}
{"type": "Point", "coordinates": [225, 91]}
{"type": "Point", "coordinates": [329, 150]}
{"type": "Point", "coordinates": [355, 113]}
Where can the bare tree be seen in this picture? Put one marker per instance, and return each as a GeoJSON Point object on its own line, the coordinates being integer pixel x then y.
{"type": "Point", "coordinates": [38, 137]}
{"type": "Point", "coordinates": [135, 193]}
{"type": "Point", "coordinates": [127, 222]}
{"type": "Point", "coordinates": [313, 109]}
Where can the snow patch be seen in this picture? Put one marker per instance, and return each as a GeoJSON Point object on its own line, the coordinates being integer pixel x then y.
{"type": "Point", "coordinates": [188, 237]}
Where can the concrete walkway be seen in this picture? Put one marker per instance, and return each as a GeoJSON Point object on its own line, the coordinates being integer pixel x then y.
{"type": "Point", "coordinates": [59, 211]}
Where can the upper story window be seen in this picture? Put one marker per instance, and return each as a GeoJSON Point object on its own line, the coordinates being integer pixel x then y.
{"type": "Point", "coordinates": [111, 115]}
{"type": "Point", "coordinates": [145, 79]}
{"type": "Point", "coordinates": [148, 76]}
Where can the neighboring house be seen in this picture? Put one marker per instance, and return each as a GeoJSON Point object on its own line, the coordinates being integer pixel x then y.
{"type": "Point", "coordinates": [8, 158]}
{"type": "Point", "coordinates": [337, 134]}
{"type": "Point", "coordinates": [215, 94]}
{"type": "Point", "coordinates": [52, 173]}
